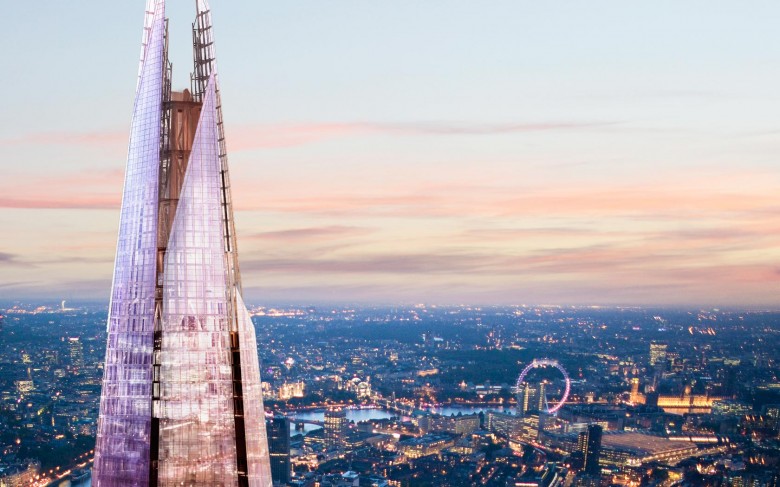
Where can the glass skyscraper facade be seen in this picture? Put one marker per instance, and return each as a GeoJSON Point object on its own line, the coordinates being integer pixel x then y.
{"type": "Point", "coordinates": [278, 429]}
{"type": "Point", "coordinates": [181, 401]}
{"type": "Point", "coordinates": [589, 444]}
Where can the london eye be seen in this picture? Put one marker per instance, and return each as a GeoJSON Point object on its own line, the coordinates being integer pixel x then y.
{"type": "Point", "coordinates": [542, 363]}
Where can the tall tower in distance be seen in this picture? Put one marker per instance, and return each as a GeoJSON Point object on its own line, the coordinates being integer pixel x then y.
{"type": "Point", "coordinates": [532, 397]}
{"type": "Point", "coordinates": [76, 355]}
{"type": "Point", "coordinates": [335, 428]}
{"type": "Point", "coordinates": [589, 444]}
{"type": "Point", "coordinates": [278, 429]}
{"type": "Point", "coordinates": [181, 402]}
{"type": "Point", "coordinates": [658, 354]}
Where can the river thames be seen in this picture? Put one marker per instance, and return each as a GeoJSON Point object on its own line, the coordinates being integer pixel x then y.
{"type": "Point", "coordinates": [365, 414]}
{"type": "Point", "coordinates": [356, 415]}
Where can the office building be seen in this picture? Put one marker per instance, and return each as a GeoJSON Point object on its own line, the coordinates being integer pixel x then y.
{"type": "Point", "coordinates": [503, 424]}
{"type": "Point", "coordinates": [532, 397]}
{"type": "Point", "coordinates": [278, 429]}
{"type": "Point", "coordinates": [76, 355]}
{"type": "Point", "coordinates": [658, 354]}
{"type": "Point", "coordinates": [335, 428]}
{"type": "Point", "coordinates": [181, 401]}
{"type": "Point", "coordinates": [636, 397]}
{"type": "Point", "coordinates": [589, 444]}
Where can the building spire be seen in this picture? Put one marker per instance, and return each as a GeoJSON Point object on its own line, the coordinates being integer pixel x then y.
{"type": "Point", "coordinates": [182, 399]}
{"type": "Point", "coordinates": [124, 426]}
{"type": "Point", "coordinates": [152, 8]}
{"type": "Point", "coordinates": [202, 5]}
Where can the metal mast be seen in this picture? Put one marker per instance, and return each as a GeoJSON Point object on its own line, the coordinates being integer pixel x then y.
{"type": "Point", "coordinates": [205, 69]}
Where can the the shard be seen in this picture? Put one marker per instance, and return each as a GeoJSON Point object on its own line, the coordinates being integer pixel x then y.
{"type": "Point", "coordinates": [181, 401]}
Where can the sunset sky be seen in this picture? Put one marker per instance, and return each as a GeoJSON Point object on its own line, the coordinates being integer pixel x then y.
{"type": "Point", "coordinates": [440, 151]}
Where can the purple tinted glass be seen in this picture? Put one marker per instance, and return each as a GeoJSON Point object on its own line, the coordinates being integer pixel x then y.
{"type": "Point", "coordinates": [122, 449]}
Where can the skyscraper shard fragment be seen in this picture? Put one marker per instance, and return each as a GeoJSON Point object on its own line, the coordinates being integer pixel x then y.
{"type": "Point", "coordinates": [181, 401]}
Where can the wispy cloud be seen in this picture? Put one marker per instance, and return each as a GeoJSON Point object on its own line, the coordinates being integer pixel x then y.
{"type": "Point", "coordinates": [62, 203]}
{"type": "Point", "coordinates": [17, 285]}
{"type": "Point", "coordinates": [685, 286]}
{"type": "Point", "coordinates": [461, 128]}
{"type": "Point", "coordinates": [376, 264]}
{"type": "Point", "coordinates": [511, 234]}
{"type": "Point", "coordinates": [9, 259]}
{"type": "Point", "coordinates": [267, 136]}
{"type": "Point", "coordinates": [88, 189]}
{"type": "Point", "coordinates": [589, 260]}
{"type": "Point", "coordinates": [52, 288]}
{"type": "Point", "coordinates": [311, 233]}
{"type": "Point", "coordinates": [73, 260]}
{"type": "Point", "coordinates": [274, 135]}
{"type": "Point", "coordinates": [645, 201]}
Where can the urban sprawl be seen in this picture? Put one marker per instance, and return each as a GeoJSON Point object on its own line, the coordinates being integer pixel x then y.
{"type": "Point", "coordinates": [425, 395]}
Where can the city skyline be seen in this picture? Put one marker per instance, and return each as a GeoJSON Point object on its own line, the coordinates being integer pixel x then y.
{"type": "Point", "coordinates": [665, 385]}
{"type": "Point", "coordinates": [615, 154]}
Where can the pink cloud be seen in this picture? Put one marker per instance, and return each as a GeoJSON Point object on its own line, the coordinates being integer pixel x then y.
{"type": "Point", "coordinates": [242, 138]}
{"type": "Point", "coordinates": [607, 275]}
{"type": "Point", "coordinates": [460, 201]}
{"type": "Point", "coordinates": [640, 261]}
{"type": "Point", "coordinates": [310, 234]}
{"type": "Point", "coordinates": [276, 135]}
{"type": "Point", "coordinates": [85, 189]}
{"type": "Point", "coordinates": [66, 202]}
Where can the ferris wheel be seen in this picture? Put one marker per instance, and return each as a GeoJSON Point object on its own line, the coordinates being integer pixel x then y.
{"type": "Point", "coordinates": [542, 363]}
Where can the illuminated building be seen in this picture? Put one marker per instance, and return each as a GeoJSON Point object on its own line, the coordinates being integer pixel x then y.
{"type": "Point", "coordinates": [25, 473]}
{"type": "Point", "coordinates": [554, 475]}
{"type": "Point", "coordinates": [335, 428]}
{"type": "Point", "coordinates": [629, 448]}
{"type": "Point", "coordinates": [459, 425]}
{"type": "Point", "coordinates": [587, 480]}
{"type": "Point", "coordinates": [24, 386]}
{"type": "Point", "coordinates": [685, 403]}
{"type": "Point", "coordinates": [531, 397]}
{"type": "Point", "coordinates": [625, 448]}
{"type": "Point", "coordinates": [772, 413]}
{"type": "Point", "coordinates": [503, 424]}
{"type": "Point", "coordinates": [290, 390]}
{"type": "Point", "coordinates": [76, 355]}
{"type": "Point", "coordinates": [578, 416]}
{"type": "Point", "coordinates": [636, 397]}
{"type": "Point", "coordinates": [529, 429]}
{"type": "Point", "coordinates": [589, 444]}
{"type": "Point", "coordinates": [278, 429]}
{"type": "Point", "coordinates": [181, 402]}
{"type": "Point", "coordinates": [426, 445]}
{"type": "Point", "coordinates": [657, 354]}
{"type": "Point", "coordinates": [729, 407]}
{"type": "Point", "coordinates": [359, 387]}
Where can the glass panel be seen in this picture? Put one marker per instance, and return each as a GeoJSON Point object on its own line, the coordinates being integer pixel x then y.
{"type": "Point", "coordinates": [197, 425]}
{"type": "Point", "coordinates": [122, 450]}
{"type": "Point", "coordinates": [254, 415]}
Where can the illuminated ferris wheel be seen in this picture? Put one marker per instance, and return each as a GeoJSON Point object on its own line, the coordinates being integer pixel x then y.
{"type": "Point", "coordinates": [542, 363]}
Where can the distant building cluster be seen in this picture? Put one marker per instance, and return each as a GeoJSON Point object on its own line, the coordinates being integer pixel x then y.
{"type": "Point", "coordinates": [19, 474]}
{"type": "Point", "coordinates": [285, 390]}
{"type": "Point", "coordinates": [361, 396]}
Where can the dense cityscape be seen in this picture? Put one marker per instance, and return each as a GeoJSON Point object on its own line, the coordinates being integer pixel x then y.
{"type": "Point", "coordinates": [425, 395]}
{"type": "Point", "coordinates": [390, 152]}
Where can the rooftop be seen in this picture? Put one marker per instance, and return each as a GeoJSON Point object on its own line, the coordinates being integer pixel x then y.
{"type": "Point", "coordinates": [640, 443]}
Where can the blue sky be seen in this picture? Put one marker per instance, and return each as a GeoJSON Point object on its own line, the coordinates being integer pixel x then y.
{"type": "Point", "coordinates": [507, 151]}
